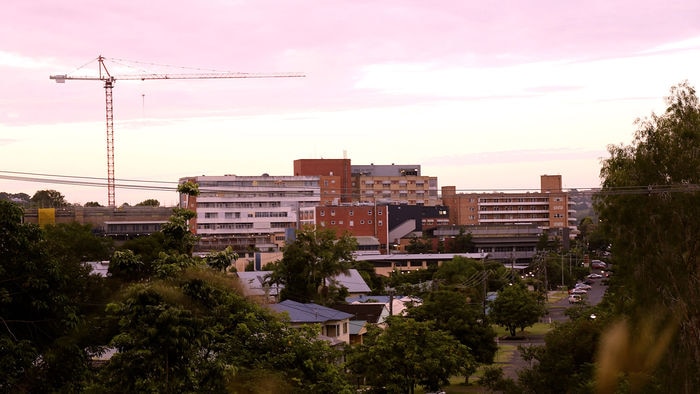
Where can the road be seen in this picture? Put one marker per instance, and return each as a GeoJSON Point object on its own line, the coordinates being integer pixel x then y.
{"type": "Point", "coordinates": [555, 313]}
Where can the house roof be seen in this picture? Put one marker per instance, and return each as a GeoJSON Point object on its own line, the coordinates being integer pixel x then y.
{"type": "Point", "coordinates": [369, 312]}
{"type": "Point", "coordinates": [309, 313]}
{"type": "Point", "coordinates": [253, 283]}
{"type": "Point", "coordinates": [353, 281]}
{"type": "Point", "coordinates": [357, 327]}
{"type": "Point", "coordinates": [366, 240]}
{"type": "Point", "coordinates": [398, 304]}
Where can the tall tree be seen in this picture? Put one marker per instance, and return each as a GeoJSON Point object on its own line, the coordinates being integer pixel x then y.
{"type": "Point", "coordinates": [48, 199]}
{"type": "Point", "coordinates": [310, 261]}
{"type": "Point", "coordinates": [407, 354]}
{"type": "Point", "coordinates": [76, 242]}
{"type": "Point", "coordinates": [452, 313]}
{"type": "Point", "coordinates": [151, 202]}
{"type": "Point", "coordinates": [222, 260]}
{"type": "Point", "coordinates": [649, 205]}
{"type": "Point", "coordinates": [195, 332]}
{"type": "Point", "coordinates": [42, 301]}
{"type": "Point", "coordinates": [516, 307]}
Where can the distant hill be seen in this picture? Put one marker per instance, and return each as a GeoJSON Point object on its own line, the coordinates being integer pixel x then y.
{"type": "Point", "coordinates": [583, 204]}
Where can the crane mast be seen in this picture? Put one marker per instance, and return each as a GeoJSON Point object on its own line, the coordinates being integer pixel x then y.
{"type": "Point", "coordinates": [109, 81]}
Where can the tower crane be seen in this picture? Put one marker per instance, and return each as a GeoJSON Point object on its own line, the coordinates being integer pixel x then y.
{"type": "Point", "coordinates": [109, 80]}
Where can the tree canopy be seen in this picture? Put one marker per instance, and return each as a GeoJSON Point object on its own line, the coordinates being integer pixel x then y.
{"type": "Point", "coordinates": [309, 262]}
{"type": "Point", "coordinates": [407, 354]}
{"type": "Point", "coordinates": [48, 199]}
{"type": "Point", "coordinates": [516, 307]}
{"type": "Point", "coordinates": [649, 206]}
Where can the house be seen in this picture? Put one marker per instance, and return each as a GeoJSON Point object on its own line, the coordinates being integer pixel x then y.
{"type": "Point", "coordinates": [396, 305]}
{"type": "Point", "coordinates": [335, 324]}
{"type": "Point", "coordinates": [374, 313]}
{"type": "Point", "coordinates": [255, 286]}
{"type": "Point", "coordinates": [363, 315]}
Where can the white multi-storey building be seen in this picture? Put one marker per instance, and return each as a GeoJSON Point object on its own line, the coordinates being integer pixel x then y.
{"type": "Point", "coordinates": [250, 212]}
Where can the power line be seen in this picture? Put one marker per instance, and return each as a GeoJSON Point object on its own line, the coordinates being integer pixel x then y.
{"type": "Point", "coordinates": [157, 185]}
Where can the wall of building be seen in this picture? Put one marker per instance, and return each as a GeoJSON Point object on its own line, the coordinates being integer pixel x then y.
{"type": "Point", "coordinates": [356, 219]}
{"type": "Point", "coordinates": [549, 208]}
{"type": "Point", "coordinates": [250, 212]}
{"type": "Point", "coordinates": [335, 177]}
{"type": "Point", "coordinates": [139, 220]}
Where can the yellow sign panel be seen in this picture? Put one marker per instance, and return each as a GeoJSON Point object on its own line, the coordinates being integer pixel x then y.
{"type": "Point", "coordinates": [47, 216]}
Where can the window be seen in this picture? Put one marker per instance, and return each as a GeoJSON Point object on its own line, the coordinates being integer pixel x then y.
{"type": "Point", "coordinates": [322, 213]}
{"type": "Point", "coordinates": [351, 223]}
{"type": "Point", "coordinates": [351, 213]}
{"type": "Point", "coordinates": [369, 212]}
{"type": "Point", "coordinates": [211, 215]}
{"type": "Point", "coordinates": [379, 222]}
{"type": "Point", "coordinates": [345, 327]}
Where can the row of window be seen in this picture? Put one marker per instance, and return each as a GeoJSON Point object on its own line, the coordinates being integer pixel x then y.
{"type": "Point", "coordinates": [259, 183]}
{"type": "Point", "coordinates": [240, 226]}
{"type": "Point", "coordinates": [351, 212]}
{"type": "Point", "coordinates": [514, 208]}
{"type": "Point", "coordinates": [257, 204]}
{"type": "Point", "coordinates": [351, 223]}
{"type": "Point", "coordinates": [260, 194]}
{"type": "Point", "coordinates": [487, 200]}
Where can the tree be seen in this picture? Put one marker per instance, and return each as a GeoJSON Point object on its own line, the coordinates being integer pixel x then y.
{"type": "Point", "coordinates": [43, 301]}
{"type": "Point", "coordinates": [76, 242]}
{"type": "Point", "coordinates": [409, 353]}
{"type": "Point", "coordinates": [22, 199]}
{"type": "Point", "coordinates": [195, 332]}
{"type": "Point", "coordinates": [92, 204]}
{"type": "Point", "coordinates": [48, 199]}
{"type": "Point", "coordinates": [149, 203]}
{"type": "Point", "coordinates": [516, 307]}
{"type": "Point", "coordinates": [177, 236]}
{"type": "Point", "coordinates": [452, 313]}
{"type": "Point", "coordinates": [461, 243]}
{"type": "Point", "coordinates": [418, 246]}
{"type": "Point", "coordinates": [221, 260]}
{"type": "Point", "coordinates": [376, 283]}
{"type": "Point", "coordinates": [565, 363]}
{"type": "Point", "coordinates": [309, 262]}
{"type": "Point", "coordinates": [649, 206]}
{"type": "Point", "coordinates": [126, 266]}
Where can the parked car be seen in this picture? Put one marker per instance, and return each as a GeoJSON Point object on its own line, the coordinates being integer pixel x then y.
{"type": "Point", "coordinates": [582, 286]}
{"type": "Point", "coordinates": [594, 276]}
{"type": "Point", "coordinates": [579, 291]}
{"type": "Point", "coordinates": [575, 299]}
{"type": "Point", "coordinates": [598, 264]}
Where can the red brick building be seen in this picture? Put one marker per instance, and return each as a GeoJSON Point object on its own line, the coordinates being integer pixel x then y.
{"type": "Point", "coordinates": [335, 178]}
{"type": "Point", "coordinates": [548, 208]}
{"type": "Point", "coordinates": [360, 220]}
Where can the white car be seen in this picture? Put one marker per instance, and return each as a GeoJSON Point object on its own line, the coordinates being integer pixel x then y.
{"type": "Point", "coordinates": [575, 299]}
{"type": "Point", "coordinates": [583, 286]}
{"type": "Point", "coordinates": [579, 291]}
{"type": "Point", "coordinates": [594, 276]}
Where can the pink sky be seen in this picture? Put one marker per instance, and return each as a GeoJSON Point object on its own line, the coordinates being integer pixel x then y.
{"type": "Point", "coordinates": [483, 95]}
